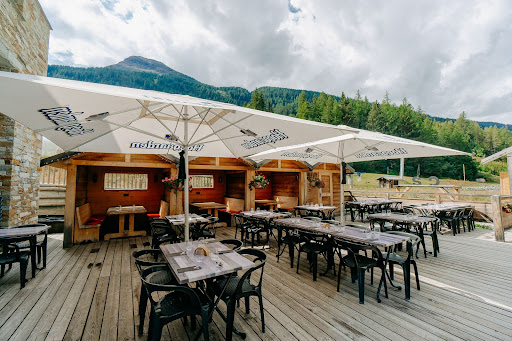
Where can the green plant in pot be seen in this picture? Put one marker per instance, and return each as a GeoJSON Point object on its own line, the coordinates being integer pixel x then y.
{"type": "Point", "coordinates": [315, 182]}
{"type": "Point", "coordinates": [259, 181]}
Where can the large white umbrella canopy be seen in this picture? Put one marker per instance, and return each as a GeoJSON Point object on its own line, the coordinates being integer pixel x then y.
{"type": "Point", "coordinates": [361, 145]}
{"type": "Point", "coordinates": [90, 117]}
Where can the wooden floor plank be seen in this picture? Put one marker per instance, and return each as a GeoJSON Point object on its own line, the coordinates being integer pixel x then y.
{"type": "Point", "coordinates": [111, 312]}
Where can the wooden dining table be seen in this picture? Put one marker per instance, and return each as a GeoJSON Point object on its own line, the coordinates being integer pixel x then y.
{"type": "Point", "coordinates": [122, 212]}
{"type": "Point", "coordinates": [209, 206]}
{"type": "Point", "coordinates": [266, 202]}
{"type": "Point", "coordinates": [30, 233]}
{"type": "Point", "coordinates": [187, 269]}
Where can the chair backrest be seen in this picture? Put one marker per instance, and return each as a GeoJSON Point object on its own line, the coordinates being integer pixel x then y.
{"type": "Point", "coordinates": [315, 213]}
{"type": "Point", "coordinates": [354, 249]}
{"type": "Point", "coordinates": [235, 244]}
{"type": "Point", "coordinates": [194, 306]}
{"type": "Point", "coordinates": [147, 257]}
{"type": "Point", "coordinates": [414, 240]}
{"type": "Point", "coordinates": [83, 213]}
{"type": "Point", "coordinates": [261, 258]}
{"type": "Point", "coordinates": [312, 237]}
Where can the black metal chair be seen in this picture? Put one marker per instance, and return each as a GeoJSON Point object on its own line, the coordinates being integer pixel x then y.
{"type": "Point", "coordinates": [316, 213]}
{"type": "Point", "coordinates": [450, 218]}
{"type": "Point", "coordinates": [359, 264]}
{"type": "Point", "coordinates": [234, 244]}
{"type": "Point", "coordinates": [179, 302]}
{"type": "Point", "coordinates": [240, 224]}
{"type": "Point", "coordinates": [404, 262]}
{"type": "Point", "coordinates": [254, 229]}
{"type": "Point", "coordinates": [313, 244]}
{"type": "Point", "coordinates": [144, 259]}
{"type": "Point", "coordinates": [242, 287]}
{"type": "Point", "coordinates": [291, 239]}
{"type": "Point", "coordinates": [162, 232]}
{"type": "Point", "coordinates": [41, 244]}
{"type": "Point", "coordinates": [467, 219]}
{"type": "Point", "coordinates": [11, 253]}
{"type": "Point", "coordinates": [396, 207]}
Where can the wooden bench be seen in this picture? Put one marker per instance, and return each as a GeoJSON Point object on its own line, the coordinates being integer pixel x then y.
{"type": "Point", "coordinates": [164, 211]}
{"type": "Point", "coordinates": [88, 225]}
{"type": "Point", "coordinates": [234, 206]}
{"type": "Point", "coordinates": [286, 203]}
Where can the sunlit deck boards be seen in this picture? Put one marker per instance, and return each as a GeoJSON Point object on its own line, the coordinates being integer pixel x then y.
{"type": "Point", "coordinates": [91, 292]}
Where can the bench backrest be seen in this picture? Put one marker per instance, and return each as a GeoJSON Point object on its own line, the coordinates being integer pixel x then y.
{"type": "Point", "coordinates": [286, 202]}
{"type": "Point", "coordinates": [234, 204]}
{"type": "Point", "coordinates": [83, 213]}
{"type": "Point", "coordinates": [164, 209]}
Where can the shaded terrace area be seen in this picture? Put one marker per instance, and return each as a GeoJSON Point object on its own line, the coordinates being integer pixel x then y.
{"type": "Point", "coordinates": [91, 292]}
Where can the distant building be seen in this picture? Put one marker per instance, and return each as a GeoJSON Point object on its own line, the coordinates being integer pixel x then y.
{"type": "Point", "coordinates": [24, 37]}
{"type": "Point", "coordinates": [388, 181]}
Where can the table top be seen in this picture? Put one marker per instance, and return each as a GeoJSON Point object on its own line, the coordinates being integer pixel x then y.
{"type": "Point", "coordinates": [348, 233]}
{"type": "Point", "coordinates": [126, 210]}
{"type": "Point", "coordinates": [404, 218]}
{"type": "Point", "coordinates": [372, 202]}
{"type": "Point", "coordinates": [231, 261]}
{"type": "Point", "coordinates": [31, 230]}
{"type": "Point", "coordinates": [315, 207]}
{"type": "Point", "coordinates": [266, 202]}
{"type": "Point", "coordinates": [208, 205]}
{"type": "Point", "coordinates": [264, 214]}
{"type": "Point", "coordinates": [441, 207]}
{"type": "Point", "coordinates": [180, 219]}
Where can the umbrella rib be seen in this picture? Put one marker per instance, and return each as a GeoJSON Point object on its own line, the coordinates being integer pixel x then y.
{"type": "Point", "coordinates": [221, 129]}
{"type": "Point", "coordinates": [202, 120]}
{"type": "Point", "coordinates": [159, 121]}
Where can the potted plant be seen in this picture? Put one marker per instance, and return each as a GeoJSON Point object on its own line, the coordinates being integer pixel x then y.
{"type": "Point", "coordinates": [315, 182]}
{"type": "Point", "coordinates": [507, 208]}
{"type": "Point", "coordinates": [175, 184]}
{"type": "Point", "coordinates": [258, 181]}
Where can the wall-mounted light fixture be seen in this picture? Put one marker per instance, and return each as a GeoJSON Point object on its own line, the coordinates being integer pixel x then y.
{"type": "Point", "coordinates": [220, 179]}
{"type": "Point", "coordinates": [95, 177]}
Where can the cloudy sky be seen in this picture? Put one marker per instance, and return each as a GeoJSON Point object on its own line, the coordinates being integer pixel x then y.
{"type": "Point", "coordinates": [445, 56]}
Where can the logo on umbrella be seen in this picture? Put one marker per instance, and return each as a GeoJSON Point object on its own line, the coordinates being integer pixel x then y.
{"type": "Point", "coordinates": [66, 120]}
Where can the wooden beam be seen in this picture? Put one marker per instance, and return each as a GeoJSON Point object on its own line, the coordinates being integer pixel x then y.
{"type": "Point", "coordinates": [303, 178]}
{"type": "Point", "coordinates": [211, 167]}
{"type": "Point", "coordinates": [69, 210]}
{"type": "Point", "coordinates": [127, 157]}
{"type": "Point", "coordinates": [509, 170]}
{"type": "Point", "coordinates": [122, 164]}
{"type": "Point", "coordinates": [288, 170]}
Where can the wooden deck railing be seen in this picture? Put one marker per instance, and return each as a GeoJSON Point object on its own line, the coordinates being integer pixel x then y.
{"type": "Point", "coordinates": [52, 176]}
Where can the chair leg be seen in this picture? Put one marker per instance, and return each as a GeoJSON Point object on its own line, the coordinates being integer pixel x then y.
{"type": "Point", "coordinates": [230, 319]}
{"type": "Point", "coordinates": [407, 280]}
{"type": "Point", "coordinates": [314, 260]}
{"type": "Point", "coordinates": [156, 329]}
{"type": "Point", "coordinates": [391, 271]}
{"type": "Point", "coordinates": [23, 273]}
{"type": "Point", "coordinates": [262, 313]}
{"type": "Point", "coordinates": [142, 309]}
{"type": "Point", "coordinates": [416, 274]}
{"type": "Point", "coordinates": [291, 253]}
{"type": "Point", "coordinates": [339, 278]}
{"type": "Point", "coordinates": [247, 308]}
{"type": "Point", "coordinates": [2, 270]}
{"type": "Point", "coordinates": [298, 261]}
{"type": "Point", "coordinates": [204, 322]}
{"type": "Point", "coordinates": [44, 247]}
{"type": "Point", "coordinates": [38, 251]}
{"type": "Point", "coordinates": [361, 286]}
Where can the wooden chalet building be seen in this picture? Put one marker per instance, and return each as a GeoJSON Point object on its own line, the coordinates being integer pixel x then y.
{"type": "Point", "coordinates": [88, 174]}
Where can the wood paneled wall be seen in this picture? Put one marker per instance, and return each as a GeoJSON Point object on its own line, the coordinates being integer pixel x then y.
{"type": "Point", "coordinates": [285, 184]}
{"type": "Point", "coordinates": [81, 185]}
{"type": "Point", "coordinates": [101, 199]}
{"type": "Point", "coordinates": [235, 185]}
{"type": "Point", "coordinates": [264, 193]}
{"type": "Point", "coordinates": [215, 194]}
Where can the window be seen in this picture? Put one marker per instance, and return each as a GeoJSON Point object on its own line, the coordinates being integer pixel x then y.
{"type": "Point", "coordinates": [201, 181]}
{"type": "Point", "coordinates": [125, 181]}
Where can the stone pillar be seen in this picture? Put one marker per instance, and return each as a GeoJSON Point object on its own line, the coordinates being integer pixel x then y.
{"type": "Point", "coordinates": [20, 150]}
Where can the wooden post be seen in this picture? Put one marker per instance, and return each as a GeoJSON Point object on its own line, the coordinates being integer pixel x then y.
{"type": "Point", "coordinates": [250, 196]}
{"type": "Point", "coordinates": [509, 169]}
{"type": "Point", "coordinates": [342, 197]}
{"type": "Point", "coordinates": [69, 210]}
{"type": "Point", "coordinates": [303, 178]}
{"type": "Point", "coordinates": [499, 232]}
{"type": "Point", "coordinates": [438, 198]}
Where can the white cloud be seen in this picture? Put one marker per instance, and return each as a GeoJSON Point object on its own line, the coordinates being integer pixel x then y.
{"type": "Point", "coordinates": [447, 56]}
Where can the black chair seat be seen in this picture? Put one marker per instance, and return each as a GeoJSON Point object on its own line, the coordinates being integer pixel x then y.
{"type": "Point", "coordinates": [7, 258]}
{"type": "Point", "coordinates": [176, 303]}
{"type": "Point", "coordinates": [231, 286]}
{"type": "Point", "coordinates": [395, 258]}
{"type": "Point", "coordinates": [362, 261]}
{"type": "Point", "coordinates": [162, 277]}
{"type": "Point", "coordinates": [314, 247]}
{"type": "Point", "coordinates": [291, 239]}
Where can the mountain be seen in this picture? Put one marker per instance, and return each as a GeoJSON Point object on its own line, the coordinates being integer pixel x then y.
{"type": "Point", "coordinates": [149, 74]}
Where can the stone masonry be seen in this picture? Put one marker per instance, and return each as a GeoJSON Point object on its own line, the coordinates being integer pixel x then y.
{"type": "Point", "coordinates": [24, 35]}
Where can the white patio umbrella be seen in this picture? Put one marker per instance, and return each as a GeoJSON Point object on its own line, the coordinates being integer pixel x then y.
{"type": "Point", "coordinates": [361, 145]}
{"type": "Point", "coordinates": [89, 117]}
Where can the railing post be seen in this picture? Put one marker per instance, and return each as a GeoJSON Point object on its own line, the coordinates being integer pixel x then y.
{"type": "Point", "coordinates": [499, 232]}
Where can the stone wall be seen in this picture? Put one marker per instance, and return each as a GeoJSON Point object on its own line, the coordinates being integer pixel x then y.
{"type": "Point", "coordinates": [24, 36]}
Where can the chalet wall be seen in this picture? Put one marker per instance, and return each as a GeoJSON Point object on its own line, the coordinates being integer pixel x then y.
{"type": "Point", "coordinates": [285, 184]}
{"type": "Point", "coordinates": [215, 194]}
{"type": "Point", "coordinates": [235, 185]}
{"type": "Point", "coordinates": [101, 199]}
{"type": "Point", "coordinates": [23, 48]}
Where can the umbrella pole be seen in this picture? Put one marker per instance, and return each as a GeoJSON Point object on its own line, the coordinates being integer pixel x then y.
{"type": "Point", "coordinates": [185, 185]}
{"type": "Point", "coordinates": [342, 196]}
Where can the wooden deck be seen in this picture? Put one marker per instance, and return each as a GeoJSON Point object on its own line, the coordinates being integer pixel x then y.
{"type": "Point", "coordinates": [91, 292]}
